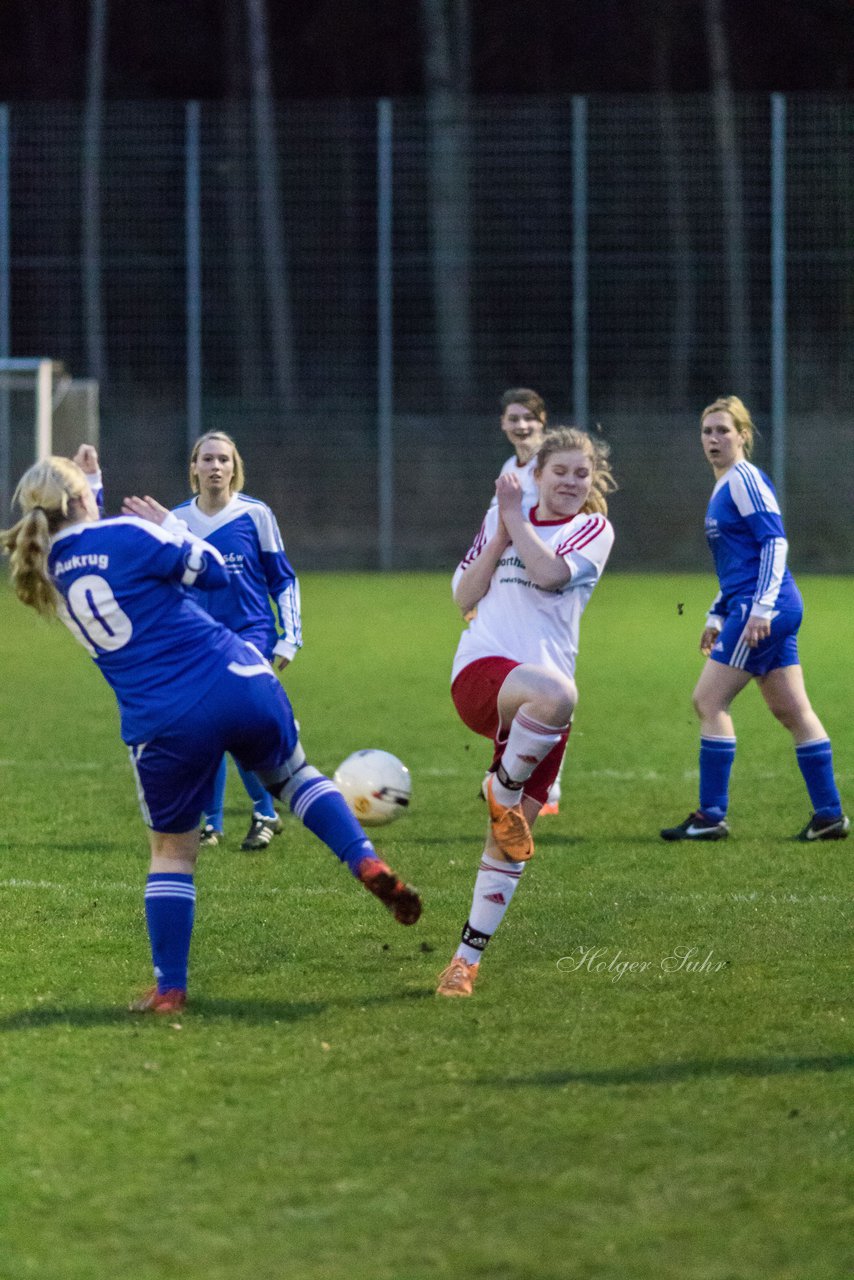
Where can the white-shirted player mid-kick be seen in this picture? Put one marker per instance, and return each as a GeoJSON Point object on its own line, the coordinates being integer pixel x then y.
{"type": "Point", "coordinates": [530, 573]}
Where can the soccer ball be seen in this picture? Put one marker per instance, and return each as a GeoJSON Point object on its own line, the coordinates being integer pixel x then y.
{"type": "Point", "coordinates": [376, 786]}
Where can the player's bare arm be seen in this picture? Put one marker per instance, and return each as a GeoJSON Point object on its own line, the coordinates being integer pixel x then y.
{"type": "Point", "coordinates": [476, 577]}
{"type": "Point", "coordinates": [545, 568]}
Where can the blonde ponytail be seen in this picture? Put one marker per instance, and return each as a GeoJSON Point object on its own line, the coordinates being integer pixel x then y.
{"type": "Point", "coordinates": [44, 494]}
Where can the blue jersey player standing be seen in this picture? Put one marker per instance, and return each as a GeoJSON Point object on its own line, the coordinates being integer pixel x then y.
{"type": "Point", "coordinates": [188, 688]}
{"type": "Point", "coordinates": [245, 532]}
{"type": "Point", "coordinates": [751, 633]}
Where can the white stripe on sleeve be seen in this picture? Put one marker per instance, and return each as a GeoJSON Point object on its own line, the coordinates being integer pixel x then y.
{"type": "Point", "coordinates": [772, 566]}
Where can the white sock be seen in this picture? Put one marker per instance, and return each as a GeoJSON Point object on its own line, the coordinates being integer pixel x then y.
{"type": "Point", "coordinates": [494, 886]}
{"type": "Point", "coordinates": [528, 742]}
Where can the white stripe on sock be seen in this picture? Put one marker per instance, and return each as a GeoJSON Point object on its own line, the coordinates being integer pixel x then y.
{"type": "Point", "coordinates": [312, 793]}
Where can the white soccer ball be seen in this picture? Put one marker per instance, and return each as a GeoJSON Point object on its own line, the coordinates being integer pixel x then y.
{"type": "Point", "coordinates": [376, 785]}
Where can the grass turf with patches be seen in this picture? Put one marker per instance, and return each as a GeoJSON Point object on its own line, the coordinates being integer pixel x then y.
{"type": "Point", "coordinates": [317, 1112]}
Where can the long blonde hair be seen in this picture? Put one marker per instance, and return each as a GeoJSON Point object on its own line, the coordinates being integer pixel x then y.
{"type": "Point", "coordinates": [561, 440]}
{"type": "Point", "coordinates": [44, 494]}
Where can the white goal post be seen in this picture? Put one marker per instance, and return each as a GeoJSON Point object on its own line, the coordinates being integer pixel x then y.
{"type": "Point", "coordinates": [43, 410]}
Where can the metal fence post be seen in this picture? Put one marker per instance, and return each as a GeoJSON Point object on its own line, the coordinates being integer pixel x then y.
{"type": "Point", "coordinates": [193, 283]}
{"type": "Point", "coordinates": [579, 261]}
{"type": "Point", "coordinates": [778, 295]}
{"type": "Point", "coordinates": [385, 337]}
{"type": "Point", "coordinates": [91, 196]}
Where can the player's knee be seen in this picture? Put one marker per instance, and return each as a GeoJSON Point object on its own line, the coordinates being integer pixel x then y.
{"type": "Point", "coordinates": [168, 848]}
{"type": "Point", "coordinates": [789, 714]}
{"type": "Point", "coordinates": [282, 780]}
{"type": "Point", "coordinates": [704, 706]}
{"type": "Point", "coordinates": [562, 696]}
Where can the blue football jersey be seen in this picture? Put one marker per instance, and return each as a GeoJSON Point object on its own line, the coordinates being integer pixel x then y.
{"type": "Point", "coordinates": [745, 531]}
{"type": "Point", "coordinates": [247, 536]}
{"type": "Point", "coordinates": [123, 593]}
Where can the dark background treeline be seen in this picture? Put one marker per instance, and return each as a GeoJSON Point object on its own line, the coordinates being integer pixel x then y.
{"type": "Point", "coordinates": [352, 48]}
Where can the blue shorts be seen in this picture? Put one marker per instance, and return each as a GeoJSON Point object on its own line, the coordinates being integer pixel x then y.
{"type": "Point", "coordinates": [250, 716]}
{"type": "Point", "coordinates": [779, 649]}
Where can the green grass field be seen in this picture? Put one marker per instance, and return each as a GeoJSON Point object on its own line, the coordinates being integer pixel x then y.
{"type": "Point", "coordinates": [317, 1114]}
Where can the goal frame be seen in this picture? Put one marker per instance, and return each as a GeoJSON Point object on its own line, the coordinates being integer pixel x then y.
{"type": "Point", "coordinates": [50, 383]}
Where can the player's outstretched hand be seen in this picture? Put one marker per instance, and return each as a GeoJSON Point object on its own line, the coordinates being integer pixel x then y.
{"type": "Point", "coordinates": [146, 508]}
{"type": "Point", "coordinates": [86, 458]}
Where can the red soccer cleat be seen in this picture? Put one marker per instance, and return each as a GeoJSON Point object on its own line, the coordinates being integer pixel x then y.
{"type": "Point", "coordinates": [154, 1001]}
{"type": "Point", "coordinates": [401, 899]}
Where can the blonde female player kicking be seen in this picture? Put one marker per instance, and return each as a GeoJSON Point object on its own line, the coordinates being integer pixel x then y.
{"type": "Point", "coordinates": [530, 572]}
{"type": "Point", "coordinates": [523, 421]}
{"type": "Point", "coordinates": [188, 688]}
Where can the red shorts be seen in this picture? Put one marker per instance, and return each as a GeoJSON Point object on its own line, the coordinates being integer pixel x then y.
{"type": "Point", "coordinates": [475, 694]}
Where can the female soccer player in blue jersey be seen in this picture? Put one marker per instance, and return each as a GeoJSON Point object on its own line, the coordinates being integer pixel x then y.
{"type": "Point", "coordinates": [247, 536]}
{"type": "Point", "coordinates": [188, 690]}
{"type": "Point", "coordinates": [751, 633]}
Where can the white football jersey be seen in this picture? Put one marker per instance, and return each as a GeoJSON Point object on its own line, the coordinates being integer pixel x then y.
{"type": "Point", "coordinates": [524, 473]}
{"type": "Point", "coordinates": [516, 619]}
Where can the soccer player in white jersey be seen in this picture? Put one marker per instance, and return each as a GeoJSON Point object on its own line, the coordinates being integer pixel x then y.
{"type": "Point", "coordinates": [751, 634]}
{"type": "Point", "coordinates": [523, 421]}
{"type": "Point", "coordinates": [530, 572]}
{"type": "Point", "coordinates": [188, 688]}
{"type": "Point", "coordinates": [246, 534]}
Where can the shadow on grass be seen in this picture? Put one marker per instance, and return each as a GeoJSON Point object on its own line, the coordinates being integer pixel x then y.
{"type": "Point", "coordinates": [247, 1010]}
{"type": "Point", "coordinates": [668, 1072]}
{"type": "Point", "coordinates": [554, 839]}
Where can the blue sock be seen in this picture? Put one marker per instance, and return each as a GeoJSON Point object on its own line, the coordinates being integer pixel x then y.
{"type": "Point", "coordinates": [170, 906]}
{"type": "Point", "coordinates": [815, 760]}
{"type": "Point", "coordinates": [213, 814]}
{"type": "Point", "coordinates": [262, 801]}
{"type": "Point", "coordinates": [320, 806]}
{"type": "Point", "coordinates": [716, 757]}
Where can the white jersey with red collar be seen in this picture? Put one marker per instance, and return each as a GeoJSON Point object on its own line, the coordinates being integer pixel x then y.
{"type": "Point", "coordinates": [516, 619]}
{"type": "Point", "coordinates": [524, 473]}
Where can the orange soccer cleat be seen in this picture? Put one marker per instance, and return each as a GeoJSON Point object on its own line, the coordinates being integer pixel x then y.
{"type": "Point", "coordinates": [509, 827]}
{"type": "Point", "coordinates": [458, 979]}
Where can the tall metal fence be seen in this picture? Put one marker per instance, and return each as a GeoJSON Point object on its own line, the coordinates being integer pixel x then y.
{"type": "Point", "coordinates": [351, 302]}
